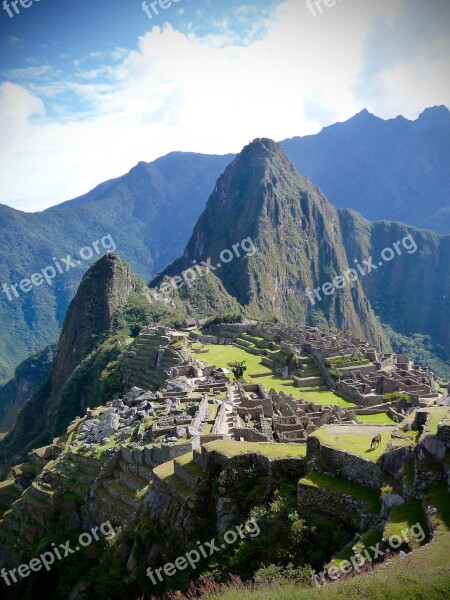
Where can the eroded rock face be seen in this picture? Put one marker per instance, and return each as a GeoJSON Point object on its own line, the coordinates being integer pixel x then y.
{"type": "Point", "coordinates": [394, 460]}
{"type": "Point", "coordinates": [432, 448]}
{"type": "Point", "coordinates": [388, 502]}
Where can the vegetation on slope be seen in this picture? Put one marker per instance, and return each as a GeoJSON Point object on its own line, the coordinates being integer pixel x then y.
{"type": "Point", "coordinates": [92, 379]}
{"type": "Point", "coordinates": [28, 376]}
{"type": "Point", "coordinates": [423, 574]}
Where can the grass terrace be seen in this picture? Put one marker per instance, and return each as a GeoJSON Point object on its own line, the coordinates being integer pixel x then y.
{"type": "Point", "coordinates": [267, 449]}
{"type": "Point", "coordinates": [377, 419]}
{"type": "Point", "coordinates": [435, 417]}
{"type": "Point", "coordinates": [221, 355]}
{"type": "Point", "coordinates": [368, 540]}
{"type": "Point", "coordinates": [322, 395]}
{"type": "Point", "coordinates": [341, 485]}
{"type": "Point", "coordinates": [7, 488]}
{"type": "Point", "coordinates": [402, 518]}
{"type": "Point", "coordinates": [187, 462]}
{"type": "Point", "coordinates": [165, 472]}
{"type": "Point", "coordinates": [439, 498]}
{"type": "Point", "coordinates": [353, 439]}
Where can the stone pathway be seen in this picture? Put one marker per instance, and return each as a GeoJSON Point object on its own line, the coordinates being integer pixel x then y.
{"type": "Point", "coordinates": [359, 429]}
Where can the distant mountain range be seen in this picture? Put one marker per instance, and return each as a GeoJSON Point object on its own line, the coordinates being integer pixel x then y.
{"type": "Point", "coordinates": [395, 169]}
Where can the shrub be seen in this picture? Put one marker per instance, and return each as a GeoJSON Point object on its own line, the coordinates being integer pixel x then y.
{"type": "Point", "coordinates": [238, 369]}
{"type": "Point", "coordinates": [397, 396]}
{"type": "Point", "coordinates": [336, 374]}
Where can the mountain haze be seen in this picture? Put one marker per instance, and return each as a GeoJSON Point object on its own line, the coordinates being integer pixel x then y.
{"type": "Point", "coordinates": [149, 213]}
{"type": "Point", "coordinates": [396, 170]}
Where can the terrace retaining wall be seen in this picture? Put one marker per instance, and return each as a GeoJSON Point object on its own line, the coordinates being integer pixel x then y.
{"type": "Point", "coordinates": [348, 465]}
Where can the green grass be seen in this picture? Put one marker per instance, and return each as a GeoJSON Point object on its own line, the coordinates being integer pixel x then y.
{"type": "Point", "coordinates": [221, 355]}
{"type": "Point", "coordinates": [7, 488]}
{"type": "Point", "coordinates": [402, 518]}
{"type": "Point", "coordinates": [368, 540]}
{"type": "Point", "coordinates": [424, 575]}
{"type": "Point", "coordinates": [355, 443]}
{"type": "Point", "coordinates": [342, 485]}
{"type": "Point", "coordinates": [434, 418]}
{"type": "Point", "coordinates": [231, 449]}
{"type": "Point", "coordinates": [439, 497]}
{"type": "Point", "coordinates": [166, 473]}
{"type": "Point", "coordinates": [321, 395]}
{"type": "Point", "coordinates": [378, 419]}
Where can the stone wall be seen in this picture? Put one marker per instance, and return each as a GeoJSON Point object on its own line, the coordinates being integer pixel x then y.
{"type": "Point", "coordinates": [221, 419]}
{"type": "Point", "coordinates": [348, 465]}
{"type": "Point", "coordinates": [156, 455]}
{"type": "Point", "coordinates": [247, 434]}
{"type": "Point", "coordinates": [212, 461]}
{"type": "Point", "coordinates": [317, 500]}
{"type": "Point", "coordinates": [443, 433]}
{"type": "Point", "coordinates": [307, 383]}
{"type": "Point", "coordinates": [202, 414]}
{"type": "Point", "coordinates": [354, 395]}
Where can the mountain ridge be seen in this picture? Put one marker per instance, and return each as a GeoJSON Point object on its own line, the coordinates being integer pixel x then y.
{"type": "Point", "coordinates": [140, 210]}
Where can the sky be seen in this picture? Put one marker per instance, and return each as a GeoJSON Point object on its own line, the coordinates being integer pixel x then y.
{"type": "Point", "coordinates": [90, 88]}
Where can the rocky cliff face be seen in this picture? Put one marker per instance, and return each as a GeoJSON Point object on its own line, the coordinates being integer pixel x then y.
{"type": "Point", "coordinates": [28, 376]}
{"type": "Point", "coordinates": [411, 291]}
{"type": "Point", "coordinates": [293, 242]}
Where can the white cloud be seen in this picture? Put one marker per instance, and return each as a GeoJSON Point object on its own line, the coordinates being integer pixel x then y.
{"type": "Point", "coordinates": [210, 94]}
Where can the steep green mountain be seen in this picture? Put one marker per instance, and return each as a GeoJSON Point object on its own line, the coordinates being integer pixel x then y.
{"type": "Point", "coordinates": [423, 350]}
{"type": "Point", "coordinates": [303, 242]}
{"type": "Point", "coordinates": [77, 372]}
{"type": "Point", "coordinates": [410, 292]}
{"type": "Point", "coordinates": [28, 376]}
{"type": "Point", "coordinates": [148, 213]}
{"type": "Point", "coordinates": [397, 170]}
{"type": "Point", "coordinates": [290, 238]}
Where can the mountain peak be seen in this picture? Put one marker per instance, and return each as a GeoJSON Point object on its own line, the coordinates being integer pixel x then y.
{"type": "Point", "coordinates": [435, 115]}
{"type": "Point", "coordinates": [105, 286]}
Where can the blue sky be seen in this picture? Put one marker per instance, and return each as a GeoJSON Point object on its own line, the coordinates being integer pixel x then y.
{"type": "Point", "coordinates": [89, 88]}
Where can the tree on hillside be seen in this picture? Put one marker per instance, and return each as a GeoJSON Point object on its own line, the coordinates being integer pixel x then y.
{"type": "Point", "coordinates": [238, 369]}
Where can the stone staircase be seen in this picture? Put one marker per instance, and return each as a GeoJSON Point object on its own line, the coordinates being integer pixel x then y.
{"type": "Point", "coordinates": [117, 495]}
{"type": "Point", "coordinates": [146, 361]}
{"type": "Point", "coordinates": [180, 477]}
